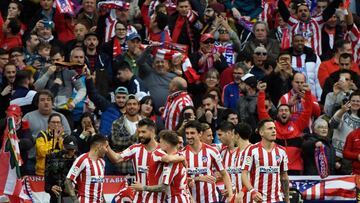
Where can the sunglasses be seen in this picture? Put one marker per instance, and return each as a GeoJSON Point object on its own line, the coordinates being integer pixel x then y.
{"type": "Point", "coordinates": [210, 41]}
{"type": "Point", "coordinates": [260, 53]}
{"type": "Point", "coordinates": [302, 4]}
{"type": "Point", "coordinates": [223, 31]}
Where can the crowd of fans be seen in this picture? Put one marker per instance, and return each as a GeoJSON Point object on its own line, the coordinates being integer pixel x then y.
{"type": "Point", "coordinates": [109, 64]}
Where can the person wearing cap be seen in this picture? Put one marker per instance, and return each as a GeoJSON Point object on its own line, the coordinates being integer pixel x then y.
{"type": "Point", "coordinates": [246, 105]}
{"type": "Point", "coordinates": [261, 66]}
{"type": "Point", "coordinates": [96, 59]}
{"type": "Point", "coordinates": [45, 33]}
{"type": "Point", "coordinates": [56, 168]}
{"type": "Point", "coordinates": [26, 141]}
{"type": "Point", "coordinates": [133, 41]}
{"type": "Point", "coordinates": [261, 31]}
{"type": "Point", "coordinates": [110, 111]}
{"type": "Point", "coordinates": [123, 134]}
{"type": "Point", "coordinates": [309, 26]}
{"type": "Point", "coordinates": [207, 57]}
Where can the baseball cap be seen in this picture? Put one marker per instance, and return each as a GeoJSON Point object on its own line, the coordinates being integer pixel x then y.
{"type": "Point", "coordinates": [121, 90]}
{"type": "Point", "coordinates": [13, 110]}
{"type": "Point", "coordinates": [250, 80]}
{"type": "Point", "coordinates": [48, 24]}
{"type": "Point", "coordinates": [206, 36]}
{"type": "Point", "coordinates": [132, 96]}
{"type": "Point", "coordinates": [90, 34]}
{"type": "Point", "coordinates": [70, 142]}
{"type": "Point", "coordinates": [132, 36]}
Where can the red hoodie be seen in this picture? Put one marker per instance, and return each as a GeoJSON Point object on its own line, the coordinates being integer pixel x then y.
{"type": "Point", "coordinates": [352, 150]}
{"type": "Point", "coordinates": [289, 134]}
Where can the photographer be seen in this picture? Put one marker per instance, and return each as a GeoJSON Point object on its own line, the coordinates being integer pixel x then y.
{"type": "Point", "coordinates": [57, 166]}
{"type": "Point", "coordinates": [48, 141]}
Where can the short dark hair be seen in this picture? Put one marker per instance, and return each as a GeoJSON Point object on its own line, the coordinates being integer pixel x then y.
{"type": "Point", "coordinates": [43, 92]}
{"type": "Point", "coordinates": [339, 44]}
{"type": "Point", "coordinates": [261, 124]}
{"type": "Point", "coordinates": [226, 126]}
{"type": "Point", "coordinates": [180, 1]}
{"type": "Point", "coordinates": [56, 50]}
{"type": "Point", "coordinates": [194, 124]}
{"type": "Point", "coordinates": [244, 130]}
{"type": "Point", "coordinates": [14, 26]}
{"type": "Point", "coordinates": [3, 51]}
{"type": "Point", "coordinates": [54, 115]}
{"type": "Point", "coordinates": [97, 139]}
{"type": "Point", "coordinates": [19, 5]}
{"type": "Point", "coordinates": [284, 52]}
{"type": "Point", "coordinates": [228, 112]}
{"type": "Point", "coordinates": [121, 65]}
{"type": "Point", "coordinates": [169, 136]}
{"type": "Point", "coordinates": [206, 96]}
{"type": "Point", "coordinates": [16, 49]}
{"type": "Point", "coordinates": [345, 56]}
{"type": "Point", "coordinates": [21, 76]}
{"type": "Point", "coordinates": [161, 20]}
{"type": "Point", "coordinates": [147, 122]}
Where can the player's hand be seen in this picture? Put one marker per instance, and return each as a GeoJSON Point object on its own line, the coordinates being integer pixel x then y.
{"type": "Point", "coordinates": [256, 196]}
{"type": "Point", "coordinates": [137, 186]}
{"type": "Point", "coordinates": [190, 182]}
{"type": "Point", "coordinates": [207, 178]}
{"type": "Point", "coordinates": [56, 190]}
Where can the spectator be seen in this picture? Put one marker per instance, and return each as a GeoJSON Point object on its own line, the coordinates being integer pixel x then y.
{"type": "Point", "coordinates": [261, 67]}
{"type": "Point", "coordinates": [211, 81]}
{"type": "Point", "coordinates": [26, 141]}
{"type": "Point", "coordinates": [147, 110]}
{"type": "Point", "coordinates": [117, 45]}
{"type": "Point", "coordinates": [233, 91]}
{"type": "Point", "coordinates": [9, 76]}
{"type": "Point", "coordinates": [38, 121]}
{"type": "Point", "coordinates": [45, 13]}
{"type": "Point", "coordinates": [133, 42]}
{"type": "Point", "coordinates": [351, 150]}
{"type": "Point", "coordinates": [123, 134]}
{"type": "Point", "coordinates": [157, 28]}
{"type": "Point", "coordinates": [17, 57]}
{"type": "Point", "coordinates": [343, 122]}
{"type": "Point", "coordinates": [279, 81]}
{"type": "Point", "coordinates": [178, 98]}
{"type": "Point", "coordinates": [281, 33]}
{"type": "Point", "coordinates": [345, 62]}
{"type": "Point", "coordinates": [22, 95]}
{"type": "Point", "coordinates": [125, 75]}
{"type": "Point", "coordinates": [156, 76]}
{"type": "Point", "coordinates": [183, 25]}
{"type": "Point", "coordinates": [84, 131]}
{"type": "Point", "coordinates": [261, 31]}
{"type": "Point", "coordinates": [81, 28]}
{"type": "Point", "coordinates": [312, 32]}
{"type": "Point", "coordinates": [49, 140]}
{"type": "Point", "coordinates": [231, 116]}
{"type": "Point", "coordinates": [319, 138]}
{"type": "Point", "coordinates": [188, 113]}
{"type": "Point", "coordinates": [213, 115]}
{"type": "Point", "coordinates": [206, 58]}
{"type": "Point", "coordinates": [332, 65]}
{"type": "Point", "coordinates": [89, 13]}
{"type": "Point", "coordinates": [31, 42]}
{"type": "Point", "coordinates": [341, 91]}
{"type": "Point", "coordinates": [244, 8]}
{"type": "Point", "coordinates": [289, 133]}
{"type": "Point", "coordinates": [296, 101]}
{"type": "Point", "coordinates": [304, 60]}
{"type": "Point", "coordinates": [10, 37]}
{"type": "Point", "coordinates": [110, 111]}
{"type": "Point", "coordinates": [14, 10]}
{"type": "Point", "coordinates": [4, 59]}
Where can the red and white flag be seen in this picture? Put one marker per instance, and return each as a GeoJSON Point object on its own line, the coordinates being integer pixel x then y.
{"type": "Point", "coordinates": [65, 6]}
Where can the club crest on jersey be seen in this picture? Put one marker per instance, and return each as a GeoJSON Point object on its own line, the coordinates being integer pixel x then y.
{"type": "Point", "coordinates": [248, 160]}
{"type": "Point", "coordinates": [75, 170]}
{"type": "Point", "coordinates": [278, 159]}
{"type": "Point", "coordinates": [290, 128]}
{"type": "Point", "coordinates": [204, 159]}
{"type": "Point", "coordinates": [142, 169]}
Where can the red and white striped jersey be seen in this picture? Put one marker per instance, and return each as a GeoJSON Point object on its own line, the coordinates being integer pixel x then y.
{"type": "Point", "coordinates": [155, 177]}
{"type": "Point", "coordinates": [201, 164]}
{"type": "Point", "coordinates": [265, 169]}
{"type": "Point", "coordinates": [141, 159]}
{"type": "Point", "coordinates": [232, 161]}
{"type": "Point", "coordinates": [310, 30]}
{"type": "Point", "coordinates": [173, 107]}
{"type": "Point", "coordinates": [88, 174]}
{"type": "Point", "coordinates": [175, 176]}
{"type": "Point", "coordinates": [353, 35]}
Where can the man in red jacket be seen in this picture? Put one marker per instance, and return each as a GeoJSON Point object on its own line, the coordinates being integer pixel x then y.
{"type": "Point", "coordinates": [352, 150]}
{"type": "Point", "coordinates": [288, 132]}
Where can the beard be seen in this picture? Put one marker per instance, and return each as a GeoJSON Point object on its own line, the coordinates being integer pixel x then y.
{"type": "Point", "coordinates": [145, 140]}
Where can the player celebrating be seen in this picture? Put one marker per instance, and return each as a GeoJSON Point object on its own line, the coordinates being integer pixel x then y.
{"type": "Point", "coordinates": [267, 164]}
{"type": "Point", "coordinates": [173, 177]}
{"type": "Point", "coordinates": [87, 172]}
{"type": "Point", "coordinates": [141, 154]}
{"type": "Point", "coordinates": [201, 159]}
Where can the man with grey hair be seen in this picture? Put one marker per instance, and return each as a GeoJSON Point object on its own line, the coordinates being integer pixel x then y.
{"type": "Point", "coordinates": [175, 102]}
{"type": "Point", "coordinates": [261, 32]}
